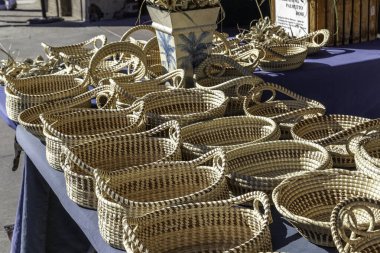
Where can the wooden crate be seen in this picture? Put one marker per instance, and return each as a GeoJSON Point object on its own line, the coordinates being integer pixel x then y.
{"type": "Point", "coordinates": [357, 20]}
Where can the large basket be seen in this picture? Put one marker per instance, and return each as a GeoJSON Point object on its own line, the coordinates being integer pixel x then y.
{"type": "Point", "coordinates": [218, 226]}
{"type": "Point", "coordinates": [263, 166]}
{"type": "Point", "coordinates": [187, 106]}
{"type": "Point", "coordinates": [81, 125]}
{"type": "Point", "coordinates": [313, 41]}
{"type": "Point", "coordinates": [307, 200]}
{"type": "Point", "coordinates": [227, 133]}
{"type": "Point", "coordinates": [347, 233]}
{"type": "Point", "coordinates": [23, 93]}
{"type": "Point", "coordinates": [287, 110]}
{"type": "Point", "coordinates": [283, 57]}
{"type": "Point", "coordinates": [113, 153]}
{"type": "Point", "coordinates": [136, 191]}
{"type": "Point", "coordinates": [236, 88]}
{"type": "Point", "coordinates": [334, 132]}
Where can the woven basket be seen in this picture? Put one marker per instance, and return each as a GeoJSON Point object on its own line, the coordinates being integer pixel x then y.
{"type": "Point", "coordinates": [113, 153]}
{"type": "Point", "coordinates": [77, 54]}
{"type": "Point", "coordinates": [82, 125]}
{"type": "Point", "coordinates": [287, 110]}
{"type": "Point", "coordinates": [218, 226]}
{"type": "Point", "coordinates": [283, 57]}
{"type": "Point", "coordinates": [139, 190]}
{"type": "Point", "coordinates": [23, 93]}
{"type": "Point", "coordinates": [334, 133]}
{"type": "Point", "coordinates": [313, 41]}
{"type": "Point", "coordinates": [263, 166]}
{"type": "Point", "coordinates": [347, 233]}
{"type": "Point", "coordinates": [227, 133]}
{"type": "Point", "coordinates": [236, 88]}
{"type": "Point", "coordinates": [152, 51]}
{"type": "Point", "coordinates": [129, 35]}
{"type": "Point", "coordinates": [187, 106]}
{"type": "Point", "coordinates": [220, 43]}
{"type": "Point", "coordinates": [307, 200]}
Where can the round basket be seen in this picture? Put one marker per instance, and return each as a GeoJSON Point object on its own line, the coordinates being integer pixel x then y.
{"type": "Point", "coordinates": [187, 106]}
{"type": "Point", "coordinates": [307, 200]}
{"type": "Point", "coordinates": [313, 41]}
{"type": "Point", "coordinates": [289, 109]}
{"type": "Point", "coordinates": [236, 88]}
{"type": "Point", "coordinates": [218, 226]}
{"type": "Point", "coordinates": [139, 190]}
{"type": "Point", "coordinates": [113, 153]}
{"type": "Point", "coordinates": [227, 133]}
{"type": "Point", "coordinates": [153, 58]}
{"type": "Point", "coordinates": [82, 125]}
{"type": "Point", "coordinates": [263, 166]}
{"type": "Point", "coordinates": [23, 93]}
{"type": "Point", "coordinates": [333, 132]}
{"type": "Point", "coordinates": [348, 234]}
{"type": "Point", "coordinates": [283, 57]}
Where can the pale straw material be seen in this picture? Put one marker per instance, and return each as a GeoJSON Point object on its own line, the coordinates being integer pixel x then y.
{"type": "Point", "coordinates": [313, 41]}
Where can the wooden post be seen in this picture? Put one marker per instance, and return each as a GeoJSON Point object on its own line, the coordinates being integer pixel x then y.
{"type": "Point", "coordinates": [321, 17]}
{"type": "Point", "coordinates": [330, 21]}
{"type": "Point", "coordinates": [340, 19]}
{"type": "Point", "coordinates": [364, 21]}
{"type": "Point", "coordinates": [373, 19]}
{"type": "Point", "coordinates": [273, 10]}
{"type": "Point", "coordinates": [347, 21]}
{"type": "Point", "coordinates": [312, 15]}
{"type": "Point", "coordinates": [356, 22]}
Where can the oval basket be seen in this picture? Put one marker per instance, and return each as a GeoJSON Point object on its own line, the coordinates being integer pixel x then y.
{"type": "Point", "coordinates": [263, 166]}
{"type": "Point", "coordinates": [313, 41]}
{"type": "Point", "coordinates": [113, 153]}
{"type": "Point", "coordinates": [139, 190]}
{"type": "Point", "coordinates": [286, 110]}
{"type": "Point", "coordinates": [218, 226]}
{"type": "Point", "coordinates": [307, 200]}
{"type": "Point", "coordinates": [82, 125]}
{"type": "Point", "coordinates": [334, 132]}
{"type": "Point", "coordinates": [347, 233]}
{"type": "Point", "coordinates": [227, 133]}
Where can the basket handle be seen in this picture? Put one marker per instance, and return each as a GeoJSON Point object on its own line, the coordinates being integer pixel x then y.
{"type": "Point", "coordinates": [172, 127]}
{"type": "Point", "coordinates": [134, 29]}
{"type": "Point", "coordinates": [176, 76]}
{"type": "Point", "coordinates": [219, 36]}
{"type": "Point", "coordinates": [217, 156]}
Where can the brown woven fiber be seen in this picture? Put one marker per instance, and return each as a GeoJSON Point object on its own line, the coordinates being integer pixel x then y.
{"type": "Point", "coordinates": [348, 232]}
{"type": "Point", "coordinates": [23, 93]}
{"type": "Point", "coordinates": [82, 125]}
{"type": "Point", "coordinates": [130, 35]}
{"type": "Point", "coordinates": [220, 43]}
{"type": "Point", "coordinates": [334, 132]}
{"type": "Point", "coordinates": [262, 166]}
{"type": "Point", "coordinates": [136, 191]}
{"type": "Point", "coordinates": [187, 106]}
{"type": "Point", "coordinates": [286, 111]}
{"type": "Point", "coordinates": [283, 57]}
{"type": "Point", "coordinates": [216, 226]}
{"type": "Point", "coordinates": [313, 41]}
{"type": "Point", "coordinates": [228, 133]}
{"type": "Point", "coordinates": [113, 153]}
{"type": "Point", "coordinates": [236, 88]}
{"type": "Point", "coordinates": [307, 200]}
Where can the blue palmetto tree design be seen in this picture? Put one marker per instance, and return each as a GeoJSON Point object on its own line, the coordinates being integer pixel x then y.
{"type": "Point", "coordinates": [168, 50]}
{"type": "Point", "coordinates": [195, 48]}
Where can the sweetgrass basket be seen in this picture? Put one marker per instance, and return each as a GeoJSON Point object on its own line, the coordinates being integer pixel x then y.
{"type": "Point", "coordinates": [307, 200]}
{"type": "Point", "coordinates": [105, 96]}
{"type": "Point", "coordinates": [136, 191]}
{"type": "Point", "coordinates": [313, 41]}
{"type": "Point", "coordinates": [23, 93]}
{"type": "Point", "coordinates": [113, 153]}
{"type": "Point", "coordinates": [283, 57]}
{"type": "Point", "coordinates": [138, 30]}
{"type": "Point", "coordinates": [81, 125]}
{"type": "Point", "coordinates": [216, 226]}
{"type": "Point", "coordinates": [283, 106]}
{"type": "Point", "coordinates": [334, 132]}
{"type": "Point", "coordinates": [227, 133]}
{"type": "Point", "coordinates": [186, 106]}
{"type": "Point", "coordinates": [347, 228]}
{"type": "Point", "coordinates": [236, 88]}
{"type": "Point", "coordinates": [263, 166]}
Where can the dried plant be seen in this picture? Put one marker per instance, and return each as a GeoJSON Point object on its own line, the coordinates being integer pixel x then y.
{"type": "Point", "coordinates": [183, 5]}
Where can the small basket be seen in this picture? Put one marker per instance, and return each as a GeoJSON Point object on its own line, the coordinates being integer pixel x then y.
{"type": "Point", "coordinates": [227, 133]}
{"type": "Point", "coordinates": [307, 200]}
{"type": "Point", "coordinates": [82, 125]}
{"type": "Point", "coordinates": [236, 88]}
{"type": "Point", "coordinates": [263, 166]}
{"type": "Point", "coordinates": [283, 57]}
{"type": "Point", "coordinates": [113, 153]}
{"type": "Point", "coordinates": [334, 132]}
{"type": "Point", "coordinates": [136, 191]}
{"type": "Point", "coordinates": [23, 93]}
{"type": "Point", "coordinates": [218, 226]}
{"type": "Point", "coordinates": [348, 234]}
{"type": "Point", "coordinates": [286, 111]}
{"type": "Point", "coordinates": [187, 106]}
{"type": "Point", "coordinates": [312, 41]}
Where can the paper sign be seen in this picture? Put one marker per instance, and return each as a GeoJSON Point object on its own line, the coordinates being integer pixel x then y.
{"type": "Point", "coordinates": [293, 15]}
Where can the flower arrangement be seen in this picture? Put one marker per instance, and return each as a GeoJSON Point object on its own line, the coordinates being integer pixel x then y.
{"type": "Point", "coordinates": [183, 5]}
